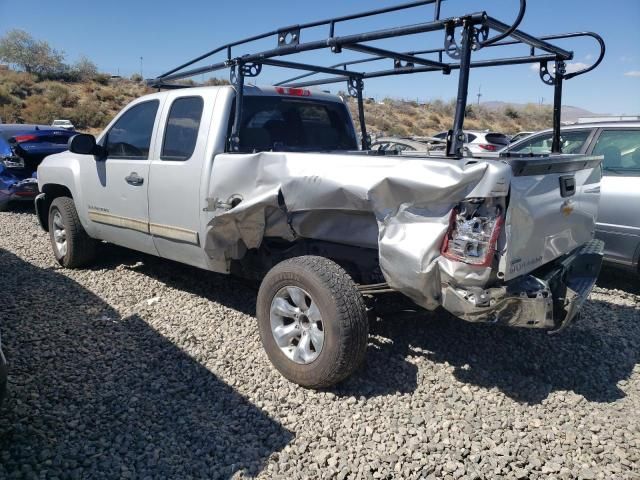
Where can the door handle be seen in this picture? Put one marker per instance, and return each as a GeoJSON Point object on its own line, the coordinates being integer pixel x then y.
{"type": "Point", "coordinates": [134, 179]}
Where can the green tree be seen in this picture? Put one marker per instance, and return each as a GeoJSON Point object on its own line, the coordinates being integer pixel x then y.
{"type": "Point", "coordinates": [19, 48]}
{"type": "Point", "coordinates": [85, 68]}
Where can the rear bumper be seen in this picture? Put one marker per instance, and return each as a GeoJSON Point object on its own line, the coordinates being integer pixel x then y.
{"type": "Point", "coordinates": [21, 190]}
{"type": "Point", "coordinates": [549, 297]}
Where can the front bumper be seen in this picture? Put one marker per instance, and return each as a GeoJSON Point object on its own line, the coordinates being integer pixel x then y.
{"type": "Point", "coordinates": [549, 297]}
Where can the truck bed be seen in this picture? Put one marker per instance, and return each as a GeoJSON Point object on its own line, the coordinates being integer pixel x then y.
{"type": "Point", "coordinates": [401, 206]}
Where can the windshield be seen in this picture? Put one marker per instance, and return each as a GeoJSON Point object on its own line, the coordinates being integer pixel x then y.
{"type": "Point", "coordinates": [289, 124]}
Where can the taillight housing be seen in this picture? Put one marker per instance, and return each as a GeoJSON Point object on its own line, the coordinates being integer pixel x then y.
{"type": "Point", "coordinates": [488, 147]}
{"type": "Point", "coordinates": [295, 92]}
{"type": "Point", "coordinates": [25, 138]}
{"type": "Point", "coordinates": [474, 228]}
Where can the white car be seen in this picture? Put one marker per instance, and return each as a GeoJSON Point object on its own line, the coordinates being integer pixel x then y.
{"type": "Point", "coordinates": [66, 124]}
{"type": "Point", "coordinates": [481, 141]}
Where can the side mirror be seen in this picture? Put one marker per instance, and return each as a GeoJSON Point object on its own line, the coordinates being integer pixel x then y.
{"type": "Point", "coordinates": [85, 144]}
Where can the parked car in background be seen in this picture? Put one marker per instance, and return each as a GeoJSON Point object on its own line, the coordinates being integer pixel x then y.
{"type": "Point", "coordinates": [408, 144]}
{"type": "Point", "coordinates": [22, 148]}
{"type": "Point", "coordinates": [66, 124]}
{"type": "Point", "coordinates": [618, 217]}
{"type": "Point", "coordinates": [519, 136]}
{"type": "Point", "coordinates": [481, 141]}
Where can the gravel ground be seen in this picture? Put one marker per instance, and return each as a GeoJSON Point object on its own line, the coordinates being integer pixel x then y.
{"type": "Point", "coordinates": [142, 368]}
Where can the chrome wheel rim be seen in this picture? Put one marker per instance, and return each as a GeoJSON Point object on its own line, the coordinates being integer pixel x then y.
{"type": "Point", "coordinates": [296, 325]}
{"type": "Point", "coordinates": [59, 234]}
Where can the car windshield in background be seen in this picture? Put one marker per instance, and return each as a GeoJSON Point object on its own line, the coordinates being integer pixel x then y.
{"type": "Point", "coordinates": [519, 137]}
{"type": "Point", "coordinates": [571, 142]}
{"type": "Point", "coordinates": [286, 124]}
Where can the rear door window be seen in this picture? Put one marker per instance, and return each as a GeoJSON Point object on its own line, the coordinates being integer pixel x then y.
{"type": "Point", "coordinates": [289, 124]}
{"type": "Point", "coordinates": [181, 131]}
{"type": "Point", "coordinates": [621, 151]}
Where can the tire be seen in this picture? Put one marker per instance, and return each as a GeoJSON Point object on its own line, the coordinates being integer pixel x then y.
{"type": "Point", "coordinates": [80, 248]}
{"type": "Point", "coordinates": [343, 321]}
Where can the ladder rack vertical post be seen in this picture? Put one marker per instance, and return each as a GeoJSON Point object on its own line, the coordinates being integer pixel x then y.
{"type": "Point", "coordinates": [455, 146]}
{"type": "Point", "coordinates": [234, 141]}
{"type": "Point", "coordinates": [557, 106]}
{"type": "Point", "coordinates": [363, 125]}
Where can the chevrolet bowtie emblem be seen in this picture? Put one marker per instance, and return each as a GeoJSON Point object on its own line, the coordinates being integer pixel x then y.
{"type": "Point", "coordinates": [567, 208]}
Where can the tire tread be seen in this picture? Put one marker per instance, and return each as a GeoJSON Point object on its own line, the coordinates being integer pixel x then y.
{"type": "Point", "coordinates": [81, 248]}
{"type": "Point", "coordinates": [351, 310]}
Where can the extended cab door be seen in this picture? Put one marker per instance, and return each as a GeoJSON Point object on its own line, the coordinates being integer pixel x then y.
{"type": "Point", "coordinates": [114, 188]}
{"type": "Point", "coordinates": [175, 198]}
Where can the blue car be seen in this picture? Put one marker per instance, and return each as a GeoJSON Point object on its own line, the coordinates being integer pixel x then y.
{"type": "Point", "coordinates": [22, 148]}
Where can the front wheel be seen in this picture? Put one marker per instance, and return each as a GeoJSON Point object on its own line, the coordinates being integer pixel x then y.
{"type": "Point", "coordinates": [72, 247]}
{"type": "Point", "coordinates": [313, 321]}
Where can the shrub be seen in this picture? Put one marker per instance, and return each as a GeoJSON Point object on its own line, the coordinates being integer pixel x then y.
{"type": "Point", "coordinates": [40, 109]}
{"type": "Point", "coordinates": [511, 112]}
{"type": "Point", "coordinates": [102, 78]}
{"type": "Point", "coordinates": [85, 69]}
{"type": "Point", "coordinates": [89, 114]}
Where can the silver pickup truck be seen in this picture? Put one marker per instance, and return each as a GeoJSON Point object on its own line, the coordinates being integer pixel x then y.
{"type": "Point", "coordinates": [273, 184]}
{"type": "Point", "coordinates": [487, 240]}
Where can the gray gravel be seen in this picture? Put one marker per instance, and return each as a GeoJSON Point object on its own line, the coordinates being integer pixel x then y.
{"type": "Point", "coordinates": [142, 368]}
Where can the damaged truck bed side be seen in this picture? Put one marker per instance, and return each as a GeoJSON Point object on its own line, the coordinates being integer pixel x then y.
{"type": "Point", "coordinates": [270, 183]}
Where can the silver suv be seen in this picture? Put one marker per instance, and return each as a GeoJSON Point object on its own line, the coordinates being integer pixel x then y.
{"type": "Point", "coordinates": [619, 142]}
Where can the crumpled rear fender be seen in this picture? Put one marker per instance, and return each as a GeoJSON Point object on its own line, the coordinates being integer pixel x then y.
{"type": "Point", "coordinates": [399, 205]}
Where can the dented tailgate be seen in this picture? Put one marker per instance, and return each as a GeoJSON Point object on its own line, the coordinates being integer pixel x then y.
{"type": "Point", "coordinates": [552, 210]}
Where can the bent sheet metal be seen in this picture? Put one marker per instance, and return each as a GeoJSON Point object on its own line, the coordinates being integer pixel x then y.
{"type": "Point", "coordinates": [400, 206]}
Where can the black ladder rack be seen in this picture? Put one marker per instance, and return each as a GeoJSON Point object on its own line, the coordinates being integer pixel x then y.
{"type": "Point", "coordinates": [473, 30]}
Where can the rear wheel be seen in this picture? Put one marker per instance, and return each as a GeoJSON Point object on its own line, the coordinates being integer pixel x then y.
{"type": "Point", "coordinates": [313, 321]}
{"type": "Point", "coordinates": [72, 246]}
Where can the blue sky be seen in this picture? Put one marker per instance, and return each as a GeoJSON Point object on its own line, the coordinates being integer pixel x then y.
{"type": "Point", "coordinates": [116, 33]}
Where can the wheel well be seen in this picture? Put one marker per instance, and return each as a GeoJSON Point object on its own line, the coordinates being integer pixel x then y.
{"type": "Point", "coordinates": [360, 263]}
{"type": "Point", "coordinates": [51, 192]}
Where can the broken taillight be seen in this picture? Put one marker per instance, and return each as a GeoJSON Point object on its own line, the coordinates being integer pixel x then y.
{"type": "Point", "coordinates": [473, 233]}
